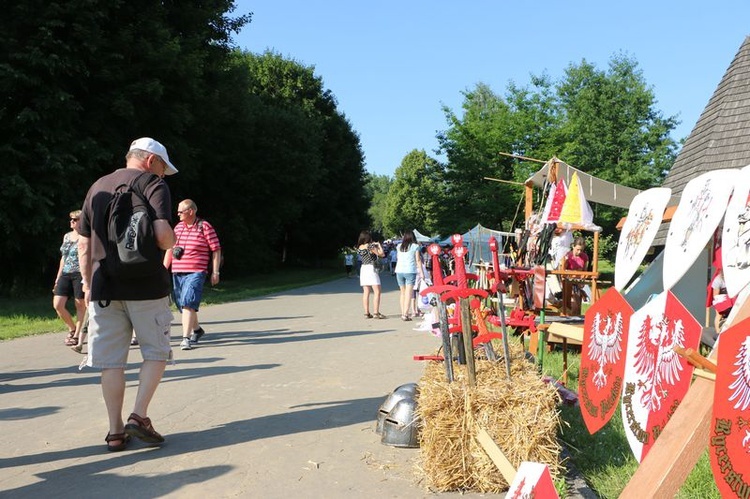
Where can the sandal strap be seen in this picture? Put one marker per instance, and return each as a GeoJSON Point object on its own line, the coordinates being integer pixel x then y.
{"type": "Point", "coordinates": [115, 436]}
{"type": "Point", "coordinates": [145, 422]}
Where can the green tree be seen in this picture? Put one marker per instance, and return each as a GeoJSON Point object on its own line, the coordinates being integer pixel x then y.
{"type": "Point", "coordinates": [306, 189]}
{"type": "Point", "coordinates": [79, 80]}
{"type": "Point", "coordinates": [376, 188]}
{"type": "Point", "coordinates": [602, 122]}
{"type": "Point", "coordinates": [472, 143]}
{"type": "Point", "coordinates": [415, 195]}
{"type": "Point", "coordinates": [612, 128]}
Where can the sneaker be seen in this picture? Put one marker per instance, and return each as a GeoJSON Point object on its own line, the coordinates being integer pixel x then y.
{"type": "Point", "coordinates": [197, 334]}
{"type": "Point", "coordinates": [185, 345]}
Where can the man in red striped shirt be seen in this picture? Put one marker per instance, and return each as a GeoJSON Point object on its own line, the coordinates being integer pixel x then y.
{"type": "Point", "coordinates": [196, 245]}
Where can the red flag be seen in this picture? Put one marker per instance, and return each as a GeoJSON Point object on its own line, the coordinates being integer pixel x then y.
{"type": "Point", "coordinates": [729, 443]}
{"type": "Point", "coordinates": [605, 338]}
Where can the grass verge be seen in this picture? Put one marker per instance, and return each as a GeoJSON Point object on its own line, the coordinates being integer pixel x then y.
{"type": "Point", "coordinates": [31, 316]}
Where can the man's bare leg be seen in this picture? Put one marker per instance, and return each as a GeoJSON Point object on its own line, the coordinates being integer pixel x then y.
{"type": "Point", "coordinates": [113, 390]}
{"type": "Point", "coordinates": [149, 379]}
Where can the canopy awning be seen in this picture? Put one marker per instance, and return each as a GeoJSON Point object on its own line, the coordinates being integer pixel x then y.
{"type": "Point", "coordinates": [595, 189]}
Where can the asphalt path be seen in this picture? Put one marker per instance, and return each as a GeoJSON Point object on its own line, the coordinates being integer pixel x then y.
{"type": "Point", "coordinates": [279, 399]}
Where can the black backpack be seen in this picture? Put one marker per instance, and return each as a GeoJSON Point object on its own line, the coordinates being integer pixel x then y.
{"type": "Point", "coordinates": [132, 250]}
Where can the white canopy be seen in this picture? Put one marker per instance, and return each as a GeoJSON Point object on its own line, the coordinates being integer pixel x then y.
{"type": "Point", "coordinates": [421, 238]}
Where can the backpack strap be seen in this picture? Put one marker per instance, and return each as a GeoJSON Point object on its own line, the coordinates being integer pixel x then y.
{"type": "Point", "coordinates": [139, 183]}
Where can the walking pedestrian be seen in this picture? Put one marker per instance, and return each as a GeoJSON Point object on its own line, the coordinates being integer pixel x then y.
{"type": "Point", "coordinates": [68, 284]}
{"type": "Point", "coordinates": [408, 265]}
{"type": "Point", "coordinates": [117, 306]}
{"type": "Point", "coordinates": [348, 263]}
{"type": "Point", "coordinates": [197, 248]}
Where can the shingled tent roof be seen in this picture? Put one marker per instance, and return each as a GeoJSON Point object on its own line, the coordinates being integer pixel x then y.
{"type": "Point", "coordinates": [721, 137]}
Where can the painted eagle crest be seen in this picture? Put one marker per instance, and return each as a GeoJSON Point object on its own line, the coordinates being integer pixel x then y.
{"type": "Point", "coordinates": [605, 344]}
{"type": "Point", "coordinates": [741, 383]}
{"type": "Point", "coordinates": [655, 359]}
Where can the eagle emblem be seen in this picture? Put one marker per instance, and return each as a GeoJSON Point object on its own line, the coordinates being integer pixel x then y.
{"type": "Point", "coordinates": [656, 362]}
{"type": "Point", "coordinates": [605, 344]}
{"type": "Point", "coordinates": [741, 383]}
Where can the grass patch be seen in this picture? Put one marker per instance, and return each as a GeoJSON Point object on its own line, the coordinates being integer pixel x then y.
{"type": "Point", "coordinates": [32, 316]}
{"type": "Point", "coordinates": [605, 459]}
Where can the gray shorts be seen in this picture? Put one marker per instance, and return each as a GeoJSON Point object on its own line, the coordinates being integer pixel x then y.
{"type": "Point", "coordinates": [111, 329]}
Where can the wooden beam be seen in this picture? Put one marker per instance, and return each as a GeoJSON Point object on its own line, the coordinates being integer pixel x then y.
{"type": "Point", "coordinates": [497, 456]}
{"type": "Point", "coordinates": [569, 331]}
{"type": "Point", "coordinates": [529, 208]}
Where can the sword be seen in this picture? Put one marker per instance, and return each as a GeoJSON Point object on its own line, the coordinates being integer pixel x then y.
{"type": "Point", "coordinates": [439, 287]}
{"type": "Point", "coordinates": [498, 287]}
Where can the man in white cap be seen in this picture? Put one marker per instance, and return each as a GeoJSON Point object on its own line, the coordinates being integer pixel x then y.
{"type": "Point", "coordinates": [118, 306]}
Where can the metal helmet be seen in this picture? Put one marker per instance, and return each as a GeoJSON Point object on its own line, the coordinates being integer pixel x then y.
{"type": "Point", "coordinates": [401, 426]}
{"type": "Point", "coordinates": [409, 390]}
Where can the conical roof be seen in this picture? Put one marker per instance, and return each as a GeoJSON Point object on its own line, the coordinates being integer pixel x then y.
{"type": "Point", "coordinates": [721, 136]}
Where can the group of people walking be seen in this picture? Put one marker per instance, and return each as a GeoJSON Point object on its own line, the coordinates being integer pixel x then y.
{"type": "Point", "coordinates": [120, 309]}
{"type": "Point", "coordinates": [408, 269]}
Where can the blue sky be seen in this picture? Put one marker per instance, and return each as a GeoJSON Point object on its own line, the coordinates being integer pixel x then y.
{"type": "Point", "coordinates": [392, 65]}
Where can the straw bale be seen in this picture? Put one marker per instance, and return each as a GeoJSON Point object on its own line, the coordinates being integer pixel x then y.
{"type": "Point", "coordinates": [521, 416]}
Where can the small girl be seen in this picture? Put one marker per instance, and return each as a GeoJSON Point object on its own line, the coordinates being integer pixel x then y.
{"type": "Point", "coordinates": [576, 259]}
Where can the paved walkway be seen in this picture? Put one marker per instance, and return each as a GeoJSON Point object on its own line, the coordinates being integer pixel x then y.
{"type": "Point", "coordinates": [279, 400]}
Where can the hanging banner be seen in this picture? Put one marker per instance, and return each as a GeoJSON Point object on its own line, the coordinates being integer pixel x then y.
{"type": "Point", "coordinates": [656, 378]}
{"type": "Point", "coordinates": [729, 442]}
{"type": "Point", "coordinates": [555, 201]}
{"type": "Point", "coordinates": [576, 210]}
{"type": "Point", "coordinates": [605, 338]}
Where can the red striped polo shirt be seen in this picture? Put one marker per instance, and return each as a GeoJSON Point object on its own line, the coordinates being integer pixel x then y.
{"type": "Point", "coordinates": [199, 241]}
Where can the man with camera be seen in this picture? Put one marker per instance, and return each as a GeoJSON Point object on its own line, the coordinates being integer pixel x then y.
{"type": "Point", "coordinates": [196, 253]}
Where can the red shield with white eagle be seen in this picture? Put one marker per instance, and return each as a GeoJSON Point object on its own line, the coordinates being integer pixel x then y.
{"type": "Point", "coordinates": [605, 336]}
{"type": "Point", "coordinates": [729, 441]}
{"type": "Point", "coordinates": [656, 378]}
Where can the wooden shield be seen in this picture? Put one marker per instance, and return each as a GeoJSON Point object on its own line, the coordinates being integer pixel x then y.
{"type": "Point", "coordinates": [701, 208]}
{"type": "Point", "coordinates": [644, 217]}
{"type": "Point", "coordinates": [735, 236]}
{"type": "Point", "coordinates": [729, 442]}
{"type": "Point", "coordinates": [605, 338]}
{"type": "Point", "coordinates": [656, 378]}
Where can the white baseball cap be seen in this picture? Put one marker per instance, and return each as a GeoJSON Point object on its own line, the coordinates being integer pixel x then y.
{"type": "Point", "coordinates": [154, 147]}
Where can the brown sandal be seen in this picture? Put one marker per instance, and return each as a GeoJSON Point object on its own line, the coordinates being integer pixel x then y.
{"type": "Point", "coordinates": [142, 430]}
{"type": "Point", "coordinates": [111, 437]}
{"type": "Point", "coordinates": [71, 339]}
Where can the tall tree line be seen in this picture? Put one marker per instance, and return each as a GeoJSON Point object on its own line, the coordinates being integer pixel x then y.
{"type": "Point", "coordinates": [604, 122]}
{"type": "Point", "coordinates": [260, 143]}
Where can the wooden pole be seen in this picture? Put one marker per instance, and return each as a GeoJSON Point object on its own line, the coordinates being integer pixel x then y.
{"type": "Point", "coordinates": [529, 201]}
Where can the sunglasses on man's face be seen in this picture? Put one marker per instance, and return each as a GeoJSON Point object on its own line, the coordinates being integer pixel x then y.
{"type": "Point", "coordinates": [73, 219]}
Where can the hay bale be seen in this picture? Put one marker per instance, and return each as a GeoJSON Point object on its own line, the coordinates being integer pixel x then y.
{"type": "Point", "coordinates": [521, 417]}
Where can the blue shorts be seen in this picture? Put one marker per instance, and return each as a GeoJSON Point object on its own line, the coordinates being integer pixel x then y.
{"type": "Point", "coordinates": [188, 289]}
{"type": "Point", "coordinates": [406, 279]}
